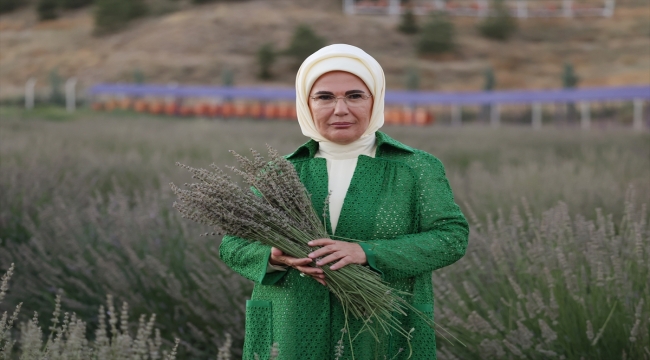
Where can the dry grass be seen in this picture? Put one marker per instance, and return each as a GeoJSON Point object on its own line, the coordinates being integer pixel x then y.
{"type": "Point", "coordinates": [195, 44]}
{"type": "Point", "coordinates": [85, 208]}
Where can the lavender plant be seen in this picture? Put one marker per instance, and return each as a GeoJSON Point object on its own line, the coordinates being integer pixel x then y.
{"type": "Point", "coordinates": [558, 287]}
{"type": "Point", "coordinates": [278, 211]}
{"type": "Point", "coordinates": [67, 337]}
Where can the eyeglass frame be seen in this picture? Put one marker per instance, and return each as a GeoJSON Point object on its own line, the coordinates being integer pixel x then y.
{"type": "Point", "coordinates": [336, 98]}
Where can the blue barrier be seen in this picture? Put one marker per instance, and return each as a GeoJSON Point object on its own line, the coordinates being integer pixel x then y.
{"type": "Point", "coordinates": [392, 97]}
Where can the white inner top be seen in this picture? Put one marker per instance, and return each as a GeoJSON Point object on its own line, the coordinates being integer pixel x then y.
{"type": "Point", "coordinates": [341, 163]}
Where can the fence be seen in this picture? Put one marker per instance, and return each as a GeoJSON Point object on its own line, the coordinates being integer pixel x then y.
{"type": "Point", "coordinates": [402, 107]}
{"type": "Point", "coordinates": [481, 8]}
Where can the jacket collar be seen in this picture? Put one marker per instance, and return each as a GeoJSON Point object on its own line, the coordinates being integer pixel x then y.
{"type": "Point", "coordinates": [309, 149]}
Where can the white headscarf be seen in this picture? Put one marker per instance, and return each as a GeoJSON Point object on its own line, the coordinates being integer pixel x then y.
{"type": "Point", "coordinates": [339, 57]}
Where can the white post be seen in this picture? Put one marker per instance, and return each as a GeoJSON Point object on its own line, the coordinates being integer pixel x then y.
{"type": "Point", "coordinates": [393, 7]}
{"type": "Point", "coordinates": [522, 8]}
{"type": "Point", "coordinates": [637, 122]}
{"type": "Point", "coordinates": [567, 8]}
{"type": "Point", "coordinates": [537, 116]}
{"type": "Point", "coordinates": [483, 8]}
{"type": "Point", "coordinates": [70, 94]}
{"type": "Point", "coordinates": [348, 7]}
{"type": "Point", "coordinates": [608, 10]}
{"type": "Point", "coordinates": [440, 5]}
{"type": "Point", "coordinates": [456, 115]}
{"type": "Point", "coordinates": [585, 116]}
{"type": "Point", "coordinates": [495, 116]}
{"type": "Point", "coordinates": [29, 93]}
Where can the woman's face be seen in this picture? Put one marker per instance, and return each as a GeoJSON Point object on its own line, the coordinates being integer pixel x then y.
{"type": "Point", "coordinates": [342, 123]}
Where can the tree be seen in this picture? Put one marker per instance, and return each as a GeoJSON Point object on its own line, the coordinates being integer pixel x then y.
{"type": "Point", "coordinates": [112, 15]}
{"type": "Point", "coordinates": [10, 5]}
{"type": "Point", "coordinates": [570, 81]}
{"type": "Point", "coordinates": [490, 84]}
{"type": "Point", "coordinates": [437, 35]}
{"type": "Point", "coordinates": [265, 58]}
{"type": "Point", "coordinates": [412, 79]}
{"type": "Point", "coordinates": [75, 4]}
{"type": "Point", "coordinates": [569, 77]}
{"type": "Point", "coordinates": [304, 43]}
{"type": "Point", "coordinates": [408, 24]}
{"type": "Point", "coordinates": [47, 9]}
{"type": "Point", "coordinates": [500, 26]}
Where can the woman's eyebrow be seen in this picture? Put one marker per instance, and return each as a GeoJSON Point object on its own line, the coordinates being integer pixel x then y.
{"type": "Point", "coordinates": [346, 93]}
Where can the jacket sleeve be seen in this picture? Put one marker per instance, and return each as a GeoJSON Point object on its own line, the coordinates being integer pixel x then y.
{"type": "Point", "coordinates": [249, 259]}
{"type": "Point", "coordinates": [442, 236]}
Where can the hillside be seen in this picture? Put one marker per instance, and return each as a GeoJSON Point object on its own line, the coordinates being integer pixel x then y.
{"type": "Point", "coordinates": [195, 44]}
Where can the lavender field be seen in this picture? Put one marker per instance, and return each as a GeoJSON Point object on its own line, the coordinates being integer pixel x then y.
{"type": "Point", "coordinates": [557, 266]}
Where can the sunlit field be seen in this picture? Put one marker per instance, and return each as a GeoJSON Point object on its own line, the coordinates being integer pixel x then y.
{"type": "Point", "coordinates": [557, 265]}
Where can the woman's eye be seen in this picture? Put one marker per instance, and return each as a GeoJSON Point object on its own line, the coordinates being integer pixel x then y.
{"type": "Point", "coordinates": [325, 97]}
{"type": "Point", "coordinates": [355, 96]}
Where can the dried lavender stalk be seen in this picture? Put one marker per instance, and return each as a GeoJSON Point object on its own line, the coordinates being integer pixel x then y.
{"type": "Point", "coordinates": [277, 211]}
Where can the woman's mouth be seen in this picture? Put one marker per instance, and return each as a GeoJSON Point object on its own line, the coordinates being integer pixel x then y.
{"type": "Point", "coordinates": [341, 125]}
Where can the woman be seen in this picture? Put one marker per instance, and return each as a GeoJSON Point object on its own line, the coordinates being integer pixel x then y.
{"type": "Point", "coordinates": [393, 197]}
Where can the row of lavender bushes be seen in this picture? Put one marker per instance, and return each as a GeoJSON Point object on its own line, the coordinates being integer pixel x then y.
{"type": "Point", "coordinates": [85, 212]}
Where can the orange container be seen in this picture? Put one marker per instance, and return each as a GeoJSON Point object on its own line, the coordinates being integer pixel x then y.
{"type": "Point", "coordinates": [255, 110]}
{"type": "Point", "coordinates": [284, 111]}
{"type": "Point", "coordinates": [391, 116]}
{"type": "Point", "coordinates": [407, 116]}
{"type": "Point", "coordinates": [156, 108]}
{"type": "Point", "coordinates": [125, 104]}
{"type": "Point", "coordinates": [186, 110]}
{"type": "Point", "coordinates": [214, 110]}
{"type": "Point", "coordinates": [293, 114]}
{"type": "Point", "coordinates": [227, 110]}
{"type": "Point", "coordinates": [240, 109]}
{"type": "Point", "coordinates": [202, 109]}
{"type": "Point", "coordinates": [109, 105]}
{"type": "Point", "coordinates": [140, 105]}
{"type": "Point", "coordinates": [270, 111]}
{"type": "Point", "coordinates": [171, 108]}
{"type": "Point", "coordinates": [422, 117]}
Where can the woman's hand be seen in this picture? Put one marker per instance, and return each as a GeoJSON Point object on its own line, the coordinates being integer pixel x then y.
{"type": "Point", "coordinates": [346, 253]}
{"type": "Point", "coordinates": [302, 265]}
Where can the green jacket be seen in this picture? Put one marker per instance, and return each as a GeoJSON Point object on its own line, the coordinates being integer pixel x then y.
{"type": "Point", "coordinates": [401, 205]}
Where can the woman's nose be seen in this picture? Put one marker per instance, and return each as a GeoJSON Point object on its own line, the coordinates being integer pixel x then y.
{"type": "Point", "coordinates": [341, 108]}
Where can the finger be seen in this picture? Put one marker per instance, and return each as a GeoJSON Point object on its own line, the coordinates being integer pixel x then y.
{"type": "Point", "coordinates": [309, 270]}
{"type": "Point", "coordinates": [276, 252]}
{"type": "Point", "coordinates": [322, 282]}
{"type": "Point", "coordinates": [321, 242]}
{"type": "Point", "coordinates": [292, 261]}
{"type": "Point", "coordinates": [332, 257]}
{"type": "Point", "coordinates": [323, 251]}
{"type": "Point", "coordinates": [343, 262]}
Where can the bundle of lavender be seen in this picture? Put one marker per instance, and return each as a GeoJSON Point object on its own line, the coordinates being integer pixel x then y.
{"type": "Point", "coordinates": [279, 213]}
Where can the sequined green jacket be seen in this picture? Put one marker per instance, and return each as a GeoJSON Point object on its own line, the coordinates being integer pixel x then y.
{"type": "Point", "coordinates": [401, 205]}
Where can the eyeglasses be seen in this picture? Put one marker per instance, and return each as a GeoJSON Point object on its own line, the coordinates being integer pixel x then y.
{"type": "Point", "coordinates": [329, 101]}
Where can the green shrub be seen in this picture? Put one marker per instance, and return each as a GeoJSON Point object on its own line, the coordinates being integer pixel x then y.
{"type": "Point", "coordinates": [75, 4]}
{"type": "Point", "coordinates": [408, 24]}
{"type": "Point", "coordinates": [569, 77]}
{"type": "Point", "coordinates": [437, 35]}
{"type": "Point", "coordinates": [11, 5]}
{"type": "Point", "coordinates": [47, 9]}
{"type": "Point", "coordinates": [500, 26]}
{"type": "Point", "coordinates": [304, 43]}
{"type": "Point", "coordinates": [112, 15]}
{"type": "Point", "coordinates": [265, 59]}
